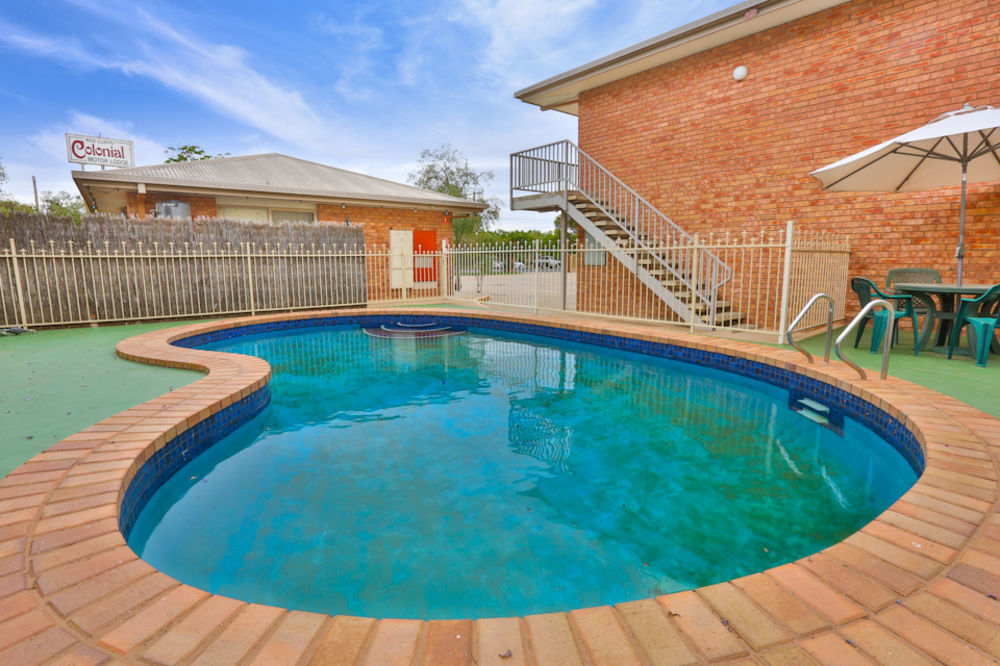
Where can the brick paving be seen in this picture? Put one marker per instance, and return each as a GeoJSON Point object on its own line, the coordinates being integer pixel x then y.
{"type": "Point", "coordinates": [919, 584]}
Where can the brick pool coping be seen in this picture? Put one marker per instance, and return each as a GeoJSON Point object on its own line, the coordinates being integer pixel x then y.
{"type": "Point", "coordinates": [919, 584]}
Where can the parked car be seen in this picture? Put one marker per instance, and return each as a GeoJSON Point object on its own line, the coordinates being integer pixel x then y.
{"type": "Point", "coordinates": [546, 262]}
{"type": "Point", "coordinates": [500, 267]}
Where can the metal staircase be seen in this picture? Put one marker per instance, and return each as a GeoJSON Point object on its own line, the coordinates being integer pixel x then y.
{"type": "Point", "coordinates": [661, 255]}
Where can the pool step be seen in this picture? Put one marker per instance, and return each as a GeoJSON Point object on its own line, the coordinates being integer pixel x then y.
{"type": "Point", "coordinates": [815, 411]}
{"type": "Point", "coordinates": [400, 329]}
{"type": "Point", "coordinates": [813, 416]}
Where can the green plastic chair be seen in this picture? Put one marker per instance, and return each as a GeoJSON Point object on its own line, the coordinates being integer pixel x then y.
{"type": "Point", "coordinates": [868, 291]}
{"type": "Point", "coordinates": [920, 305]}
{"type": "Point", "coordinates": [983, 320]}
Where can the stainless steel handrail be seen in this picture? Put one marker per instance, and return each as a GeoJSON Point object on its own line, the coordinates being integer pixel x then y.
{"type": "Point", "coordinates": [886, 338]}
{"type": "Point", "coordinates": [829, 327]}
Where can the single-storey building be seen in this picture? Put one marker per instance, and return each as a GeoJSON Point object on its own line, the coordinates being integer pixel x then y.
{"type": "Point", "coordinates": [276, 188]}
{"type": "Point", "coordinates": [399, 221]}
{"type": "Point", "coordinates": [719, 123]}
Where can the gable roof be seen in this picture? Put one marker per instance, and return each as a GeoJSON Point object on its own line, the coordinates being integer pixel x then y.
{"type": "Point", "coordinates": [271, 174]}
{"type": "Point", "coordinates": [562, 91]}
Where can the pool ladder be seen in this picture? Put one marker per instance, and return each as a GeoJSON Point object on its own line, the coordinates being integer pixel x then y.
{"type": "Point", "coordinates": [886, 340]}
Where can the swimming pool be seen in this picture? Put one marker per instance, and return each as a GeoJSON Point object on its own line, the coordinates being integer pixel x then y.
{"type": "Point", "coordinates": [623, 521]}
{"type": "Point", "coordinates": [864, 595]}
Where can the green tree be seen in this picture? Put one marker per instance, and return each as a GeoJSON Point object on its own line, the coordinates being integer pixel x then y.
{"type": "Point", "coordinates": [446, 170]}
{"type": "Point", "coordinates": [64, 204]}
{"type": "Point", "coordinates": [7, 204]}
{"type": "Point", "coordinates": [188, 154]}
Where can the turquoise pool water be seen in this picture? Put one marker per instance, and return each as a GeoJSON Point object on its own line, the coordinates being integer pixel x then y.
{"type": "Point", "coordinates": [488, 475]}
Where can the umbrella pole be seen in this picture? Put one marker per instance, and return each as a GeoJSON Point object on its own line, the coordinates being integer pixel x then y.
{"type": "Point", "coordinates": [960, 250]}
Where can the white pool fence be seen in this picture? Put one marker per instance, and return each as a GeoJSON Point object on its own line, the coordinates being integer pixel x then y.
{"type": "Point", "coordinates": [48, 284]}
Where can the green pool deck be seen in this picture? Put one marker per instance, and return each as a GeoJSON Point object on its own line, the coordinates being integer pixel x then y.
{"type": "Point", "coordinates": [959, 377]}
{"type": "Point", "coordinates": [58, 381]}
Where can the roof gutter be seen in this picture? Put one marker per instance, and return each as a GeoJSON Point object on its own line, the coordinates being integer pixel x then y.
{"type": "Point", "coordinates": [83, 179]}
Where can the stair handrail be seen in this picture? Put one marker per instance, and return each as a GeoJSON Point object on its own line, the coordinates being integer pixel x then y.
{"type": "Point", "coordinates": [886, 338]}
{"type": "Point", "coordinates": [557, 166]}
{"type": "Point", "coordinates": [829, 326]}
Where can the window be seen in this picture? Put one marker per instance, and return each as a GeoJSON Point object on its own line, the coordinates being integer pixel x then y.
{"type": "Point", "coordinates": [176, 209]}
{"type": "Point", "coordinates": [243, 213]}
{"type": "Point", "coordinates": [291, 216]}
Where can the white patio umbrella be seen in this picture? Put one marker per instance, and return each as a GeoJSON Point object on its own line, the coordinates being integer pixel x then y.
{"type": "Point", "coordinates": [958, 146]}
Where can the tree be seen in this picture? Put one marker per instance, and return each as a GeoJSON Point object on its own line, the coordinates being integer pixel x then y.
{"type": "Point", "coordinates": [64, 204]}
{"type": "Point", "coordinates": [7, 204]}
{"type": "Point", "coordinates": [188, 154]}
{"type": "Point", "coordinates": [446, 170]}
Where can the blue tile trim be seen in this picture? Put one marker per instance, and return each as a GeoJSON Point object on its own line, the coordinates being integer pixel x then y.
{"type": "Point", "coordinates": [177, 452]}
{"type": "Point", "coordinates": [182, 449]}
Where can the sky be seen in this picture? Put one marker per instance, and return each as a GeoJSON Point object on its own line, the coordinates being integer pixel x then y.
{"type": "Point", "coordinates": [364, 86]}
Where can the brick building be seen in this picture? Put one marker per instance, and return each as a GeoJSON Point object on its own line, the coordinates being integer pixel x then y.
{"type": "Point", "coordinates": [824, 79]}
{"type": "Point", "coordinates": [276, 188]}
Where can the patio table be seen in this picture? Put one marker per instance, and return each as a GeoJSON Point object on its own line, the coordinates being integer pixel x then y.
{"type": "Point", "coordinates": [941, 299]}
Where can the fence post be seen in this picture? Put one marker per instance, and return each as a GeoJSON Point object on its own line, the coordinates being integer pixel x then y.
{"type": "Point", "coordinates": [786, 280]}
{"type": "Point", "coordinates": [443, 274]}
{"type": "Point", "coordinates": [17, 284]}
{"type": "Point", "coordinates": [250, 289]}
{"type": "Point", "coordinates": [693, 282]}
{"type": "Point", "coordinates": [536, 274]}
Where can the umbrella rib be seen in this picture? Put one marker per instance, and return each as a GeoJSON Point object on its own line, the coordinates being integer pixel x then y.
{"type": "Point", "coordinates": [990, 147]}
{"type": "Point", "coordinates": [863, 166]}
{"type": "Point", "coordinates": [927, 152]}
{"type": "Point", "coordinates": [917, 165]}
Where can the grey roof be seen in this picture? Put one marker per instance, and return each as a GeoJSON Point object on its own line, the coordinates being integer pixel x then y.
{"type": "Point", "coordinates": [276, 174]}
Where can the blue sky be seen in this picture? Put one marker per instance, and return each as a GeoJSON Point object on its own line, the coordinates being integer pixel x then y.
{"type": "Point", "coordinates": [358, 85]}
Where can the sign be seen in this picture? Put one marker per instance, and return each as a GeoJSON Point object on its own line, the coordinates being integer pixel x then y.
{"type": "Point", "coordinates": [82, 149]}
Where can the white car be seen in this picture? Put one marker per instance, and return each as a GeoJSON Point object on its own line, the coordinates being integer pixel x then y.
{"type": "Point", "coordinates": [500, 267]}
{"type": "Point", "coordinates": [547, 262]}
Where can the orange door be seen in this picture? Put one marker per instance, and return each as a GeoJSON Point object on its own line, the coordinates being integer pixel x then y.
{"type": "Point", "coordinates": [424, 264]}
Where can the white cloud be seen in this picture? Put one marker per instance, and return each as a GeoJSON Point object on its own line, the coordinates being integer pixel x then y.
{"type": "Point", "coordinates": [43, 153]}
{"type": "Point", "coordinates": [217, 74]}
{"type": "Point", "coordinates": [524, 36]}
{"type": "Point", "coordinates": [51, 141]}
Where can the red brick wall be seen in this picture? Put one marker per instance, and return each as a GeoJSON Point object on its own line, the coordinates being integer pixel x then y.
{"type": "Point", "coordinates": [144, 205]}
{"type": "Point", "coordinates": [712, 152]}
{"type": "Point", "coordinates": [378, 221]}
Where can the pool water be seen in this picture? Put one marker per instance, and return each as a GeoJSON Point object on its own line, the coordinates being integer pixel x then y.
{"type": "Point", "coordinates": [491, 475]}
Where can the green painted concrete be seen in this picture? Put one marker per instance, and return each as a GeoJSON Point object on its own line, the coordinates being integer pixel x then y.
{"type": "Point", "coordinates": [959, 377]}
{"type": "Point", "coordinates": [56, 382]}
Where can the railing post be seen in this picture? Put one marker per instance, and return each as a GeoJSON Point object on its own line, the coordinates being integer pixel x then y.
{"type": "Point", "coordinates": [786, 280]}
{"type": "Point", "coordinates": [17, 284]}
{"type": "Point", "coordinates": [250, 289]}
{"type": "Point", "coordinates": [692, 284]}
{"type": "Point", "coordinates": [535, 264]}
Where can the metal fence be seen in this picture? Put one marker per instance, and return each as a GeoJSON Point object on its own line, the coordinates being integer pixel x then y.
{"type": "Point", "coordinates": [48, 285]}
{"type": "Point", "coordinates": [774, 274]}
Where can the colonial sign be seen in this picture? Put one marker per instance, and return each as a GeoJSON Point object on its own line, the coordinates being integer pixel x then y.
{"type": "Point", "coordinates": [99, 150]}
